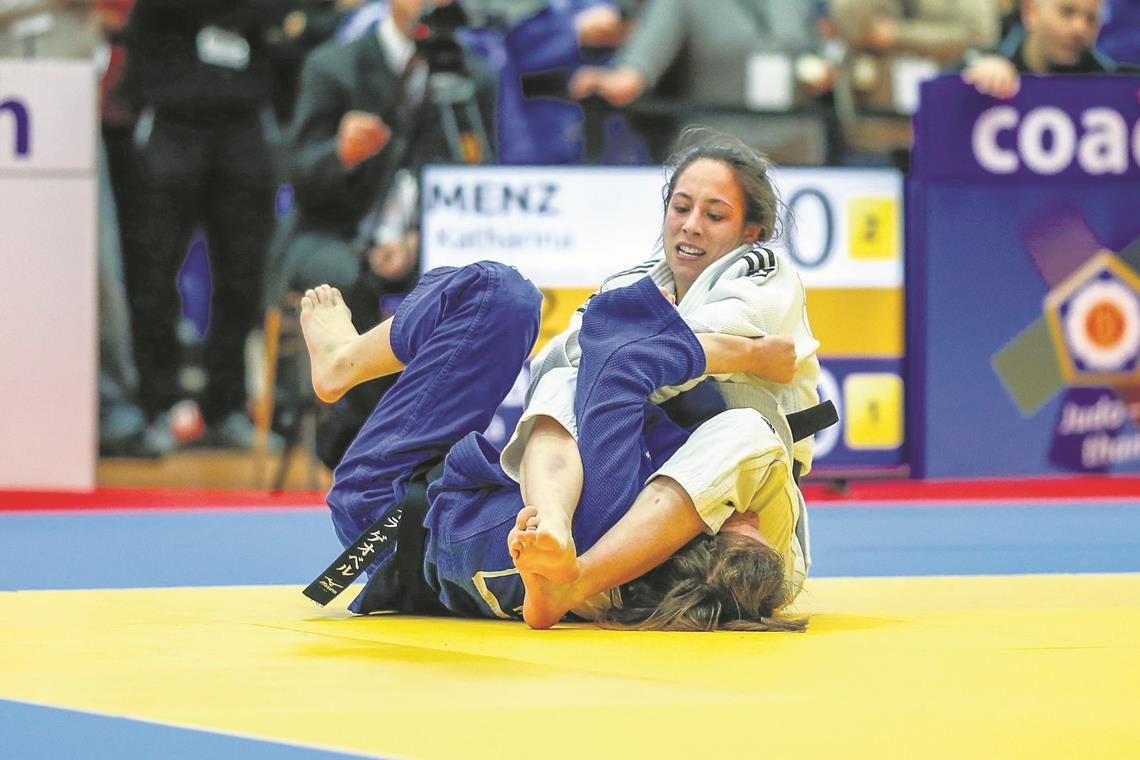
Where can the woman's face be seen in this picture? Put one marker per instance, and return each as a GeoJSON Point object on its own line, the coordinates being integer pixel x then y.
{"type": "Point", "coordinates": [747, 523]}
{"type": "Point", "coordinates": [704, 221]}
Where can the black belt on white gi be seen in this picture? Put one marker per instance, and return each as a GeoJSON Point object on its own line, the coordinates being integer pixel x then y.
{"type": "Point", "coordinates": [809, 422]}
{"type": "Point", "coordinates": [812, 420]}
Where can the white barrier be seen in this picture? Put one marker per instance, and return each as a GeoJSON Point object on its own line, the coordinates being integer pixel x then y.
{"type": "Point", "coordinates": [48, 323]}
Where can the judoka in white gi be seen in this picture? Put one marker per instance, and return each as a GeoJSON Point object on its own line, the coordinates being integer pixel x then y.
{"type": "Point", "coordinates": [603, 505]}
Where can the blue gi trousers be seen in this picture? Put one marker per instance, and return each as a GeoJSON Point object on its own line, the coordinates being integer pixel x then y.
{"type": "Point", "coordinates": [463, 335]}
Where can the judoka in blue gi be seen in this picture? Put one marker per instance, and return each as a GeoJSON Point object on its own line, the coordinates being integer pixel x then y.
{"type": "Point", "coordinates": [601, 487]}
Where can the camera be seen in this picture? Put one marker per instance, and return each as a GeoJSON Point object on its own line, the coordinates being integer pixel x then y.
{"type": "Point", "coordinates": [436, 41]}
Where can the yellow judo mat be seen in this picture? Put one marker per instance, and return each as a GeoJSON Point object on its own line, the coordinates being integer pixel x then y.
{"type": "Point", "coordinates": [978, 666]}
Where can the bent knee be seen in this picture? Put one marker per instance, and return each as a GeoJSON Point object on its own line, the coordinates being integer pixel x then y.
{"type": "Point", "coordinates": [517, 300]}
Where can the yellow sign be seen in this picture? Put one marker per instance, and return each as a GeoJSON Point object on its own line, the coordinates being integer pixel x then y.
{"type": "Point", "coordinates": [873, 404]}
{"type": "Point", "coordinates": [872, 228]}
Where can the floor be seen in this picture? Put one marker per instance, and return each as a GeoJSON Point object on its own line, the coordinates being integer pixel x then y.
{"type": "Point", "coordinates": [143, 623]}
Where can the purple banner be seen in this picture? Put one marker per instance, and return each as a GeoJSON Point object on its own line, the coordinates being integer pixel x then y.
{"type": "Point", "coordinates": [1056, 127]}
{"type": "Point", "coordinates": [1023, 280]}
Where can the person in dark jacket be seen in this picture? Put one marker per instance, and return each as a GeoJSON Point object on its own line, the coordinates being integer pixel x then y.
{"type": "Point", "coordinates": [199, 75]}
{"type": "Point", "coordinates": [1056, 37]}
{"type": "Point", "coordinates": [364, 119]}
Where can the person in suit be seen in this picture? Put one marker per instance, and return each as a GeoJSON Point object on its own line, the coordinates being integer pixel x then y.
{"type": "Point", "coordinates": [364, 114]}
{"type": "Point", "coordinates": [715, 44]}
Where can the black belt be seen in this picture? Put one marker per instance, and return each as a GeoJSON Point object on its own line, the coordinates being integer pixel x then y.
{"type": "Point", "coordinates": [401, 525]}
{"type": "Point", "coordinates": [809, 422]}
{"type": "Point", "coordinates": [812, 420]}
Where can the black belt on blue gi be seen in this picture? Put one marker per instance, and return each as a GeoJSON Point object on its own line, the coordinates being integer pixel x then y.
{"type": "Point", "coordinates": [401, 524]}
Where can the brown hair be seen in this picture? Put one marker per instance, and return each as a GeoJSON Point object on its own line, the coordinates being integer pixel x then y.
{"type": "Point", "coordinates": [726, 582]}
{"type": "Point", "coordinates": [749, 166]}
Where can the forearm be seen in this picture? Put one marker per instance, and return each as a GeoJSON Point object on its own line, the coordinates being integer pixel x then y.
{"type": "Point", "coordinates": [551, 471]}
{"type": "Point", "coordinates": [851, 16]}
{"type": "Point", "coordinates": [946, 41]}
{"type": "Point", "coordinates": [766, 357]}
{"type": "Point", "coordinates": [657, 39]}
{"type": "Point", "coordinates": [725, 354]}
{"type": "Point", "coordinates": [661, 521]}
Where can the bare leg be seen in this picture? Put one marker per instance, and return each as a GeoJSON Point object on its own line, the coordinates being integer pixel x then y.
{"type": "Point", "coordinates": [661, 521]}
{"type": "Point", "coordinates": [340, 357]}
{"type": "Point", "coordinates": [632, 342]}
{"type": "Point", "coordinates": [551, 481]}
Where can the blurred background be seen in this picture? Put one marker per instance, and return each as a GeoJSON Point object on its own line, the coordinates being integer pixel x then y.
{"type": "Point", "coordinates": [959, 180]}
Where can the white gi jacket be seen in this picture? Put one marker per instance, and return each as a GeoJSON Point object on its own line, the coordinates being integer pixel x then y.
{"type": "Point", "coordinates": [750, 292]}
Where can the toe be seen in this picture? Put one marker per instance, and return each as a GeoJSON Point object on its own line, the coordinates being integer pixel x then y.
{"type": "Point", "coordinates": [524, 515]}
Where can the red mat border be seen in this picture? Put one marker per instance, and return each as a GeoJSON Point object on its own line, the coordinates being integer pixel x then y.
{"type": "Point", "coordinates": [110, 499]}
{"type": "Point", "coordinates": [1043, 490]}
{"type": "Point", "coordinates": [986, 490]}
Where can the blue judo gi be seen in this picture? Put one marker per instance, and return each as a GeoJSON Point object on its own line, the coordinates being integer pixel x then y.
{"type": "Point", "coordinates": [463, 335]}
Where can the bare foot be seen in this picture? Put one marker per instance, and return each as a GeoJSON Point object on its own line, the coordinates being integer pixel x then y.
{"type": "Point", "coordinates": [541, 543]}
{"type": "Point", "coordinates": [327, 325]}
{"type": "Point", "coordinates": [543, 551]}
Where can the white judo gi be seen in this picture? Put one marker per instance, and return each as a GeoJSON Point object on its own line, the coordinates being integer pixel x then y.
{"type": "Point", "coordinates": [750, 292]}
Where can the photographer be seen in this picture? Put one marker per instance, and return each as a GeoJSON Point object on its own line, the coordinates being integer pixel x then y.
{"type": "Point", "coordinates": [365, 110]}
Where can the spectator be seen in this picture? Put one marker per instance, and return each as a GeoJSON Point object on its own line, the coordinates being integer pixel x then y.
{"type": "Point", "coordinates": [32, 28]}
{"type": "Point", "coordinates": [1120, 35]}
{"type": "Point", "coordinates": [47, 29]}
{"type": "Point", "coordinates": [760, 52]}
{"type": "Point", "coordinates": [1010, 14]}
{"type": "Point", "coordinates": [939, 29]}
{"type": "Point", "coordinates": [892, 46]}
{"type": "Point", "coordinates": [362, 108]}
{"type": "Point", "coordinates": [303, 29]}
{"type": "Point", "coordinates": [365, 110]}
{"type": "Point", "coordinates": [554, 35]}
{"type": "Point", "coordinates": [199, 75]}
{"type": "Point", "coordinates": [123, 428]}
{"type": "Point", "coordinates": [1057, 38]}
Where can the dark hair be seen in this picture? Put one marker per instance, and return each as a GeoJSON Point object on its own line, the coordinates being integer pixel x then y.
{"type": "Point", "coordinates": [726, 582]}
{"type": "Point", "coordinates": [749, 166]}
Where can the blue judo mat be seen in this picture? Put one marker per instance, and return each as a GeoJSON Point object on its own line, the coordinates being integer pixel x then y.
{"type": "Point", "coordinates": [259, 546]}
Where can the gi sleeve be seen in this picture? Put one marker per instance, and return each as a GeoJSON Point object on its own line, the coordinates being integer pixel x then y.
{"type": "Point", "coordinates": [758, 305]}
{"type": "Point", "coordinates": [750, 461]}
{"type": "Point", "coordinates": [751, 472]}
